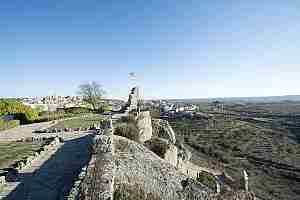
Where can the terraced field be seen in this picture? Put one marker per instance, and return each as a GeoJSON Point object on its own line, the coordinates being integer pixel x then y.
{"type": "Point", "coordinates": [271, 157]}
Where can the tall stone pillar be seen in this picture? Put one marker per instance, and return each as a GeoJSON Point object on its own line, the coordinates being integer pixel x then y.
{"type": "Point", "coordinates": [246, 180]}
{"type": "Point", "coordinates": [218, 187]}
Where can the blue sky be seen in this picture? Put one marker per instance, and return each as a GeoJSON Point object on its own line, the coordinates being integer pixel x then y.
{"type": "Point", "coordinates": [178, 49]}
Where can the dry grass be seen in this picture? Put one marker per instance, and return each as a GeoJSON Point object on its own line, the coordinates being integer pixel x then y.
{"type": "Point", "coordinates": [13, 151]}
{"type": "Point", "coordinates": [128, 130]}
{"type": "Point", "coordinates": [126, 191]}
{"type": "Point", "coordinates": [158, 145]}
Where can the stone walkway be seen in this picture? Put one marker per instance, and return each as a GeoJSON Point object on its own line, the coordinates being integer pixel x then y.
{"type": "Point", "coordinates": [51, 176]}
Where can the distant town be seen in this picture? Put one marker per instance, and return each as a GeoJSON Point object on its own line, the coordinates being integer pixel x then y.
{"type": "Point", "coordinates": [53, 103]}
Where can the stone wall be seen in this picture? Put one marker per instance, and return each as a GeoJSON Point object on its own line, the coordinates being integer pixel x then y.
{"type": "Point", "coordinates": [99, 180]}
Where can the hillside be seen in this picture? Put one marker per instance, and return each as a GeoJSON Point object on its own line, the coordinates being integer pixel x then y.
{"type": "Point", "coordinates": [271, 157]}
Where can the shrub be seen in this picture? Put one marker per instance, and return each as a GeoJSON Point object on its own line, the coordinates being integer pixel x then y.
{"type": "Point", "coordinates": [8, 124]}
{"type": "Point", "coordinates": [128, 130]}
{"type": "Point", "coordinates": [207, 179]}
{"type": "Point", "coordinates": [158, 145]}
{"type": "Point", "coordinates": [49, 116]}
{"type": "Point", "coordinates": [22, 112]}
{"type": "Point", "coordinates": [105, 108]}
{"type": "Point", "coordinates": [128, 119]}
{"type": "Point", "coordinates": [78, 110]}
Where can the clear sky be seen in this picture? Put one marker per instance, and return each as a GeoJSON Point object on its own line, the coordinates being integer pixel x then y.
{"type": "Point", "coordinates": [177, 48]}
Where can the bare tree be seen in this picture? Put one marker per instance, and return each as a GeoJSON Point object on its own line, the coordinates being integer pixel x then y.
{"type": "Point", "coordinates": [92, 94]}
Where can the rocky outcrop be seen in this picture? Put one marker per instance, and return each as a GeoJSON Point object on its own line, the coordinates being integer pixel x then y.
{"type": "Point", "coordinates": [140, 171]}
{"type": "Point", "coordinates": [131, 171]}
{"type": "Point", "coordinates": [144, 126]}
{"type": "Point", "coordinates": [141, 174]}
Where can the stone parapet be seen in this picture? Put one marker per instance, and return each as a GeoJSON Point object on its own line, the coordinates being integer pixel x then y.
{"type": "Point", "coordinates": [99, 180]}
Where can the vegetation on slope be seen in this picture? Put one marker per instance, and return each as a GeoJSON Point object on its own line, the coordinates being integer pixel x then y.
{"type": "Point", "coordinates": [235, 145]}
{"type": "Point", "coordinates": [127, 127]}
{"type": "Point", "coordinates": [21, 112]}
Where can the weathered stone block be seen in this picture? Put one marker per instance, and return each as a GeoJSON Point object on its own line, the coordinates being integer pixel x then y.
{"type": "Point", "coordinates": [144, 126]}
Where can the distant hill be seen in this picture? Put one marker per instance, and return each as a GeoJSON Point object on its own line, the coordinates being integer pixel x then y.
{"type": "Point", "coordinates": [267, 99]}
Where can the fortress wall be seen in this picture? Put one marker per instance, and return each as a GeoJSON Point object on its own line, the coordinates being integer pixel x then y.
{"type": "Point", "coordinates": [99, 180]}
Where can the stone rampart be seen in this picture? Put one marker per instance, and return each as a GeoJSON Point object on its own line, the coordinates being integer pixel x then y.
{"type": "Point", "coordinates": [99, 180]}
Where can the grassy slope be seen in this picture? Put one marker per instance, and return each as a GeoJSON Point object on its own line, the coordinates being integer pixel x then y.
{"type": "Point", "coordinates": [228, 144]}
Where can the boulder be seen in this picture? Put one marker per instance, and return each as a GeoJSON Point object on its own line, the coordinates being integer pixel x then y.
{"type": "Point", "coordinates": [171, 155]}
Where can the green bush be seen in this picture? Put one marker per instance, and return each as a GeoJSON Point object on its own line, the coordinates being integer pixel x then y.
{"type": "Point", "coordinates": [22, 112]}
{"type": "Point", "coordinates": [128, 130]}
{"type": "Point", "coordinates": [128, 119]}
{"type": "Point", "coordinates": [78, 110]}
{"type": "Point", "coordinates": [105, 108]}
{"type": "Point", "coordinates": [207, 179]}
{"type": "Point", "coordinates": [8, 124]}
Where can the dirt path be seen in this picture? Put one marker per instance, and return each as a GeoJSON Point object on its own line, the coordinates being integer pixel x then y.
{"type": "Point", "coordinates": [50, 176]}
